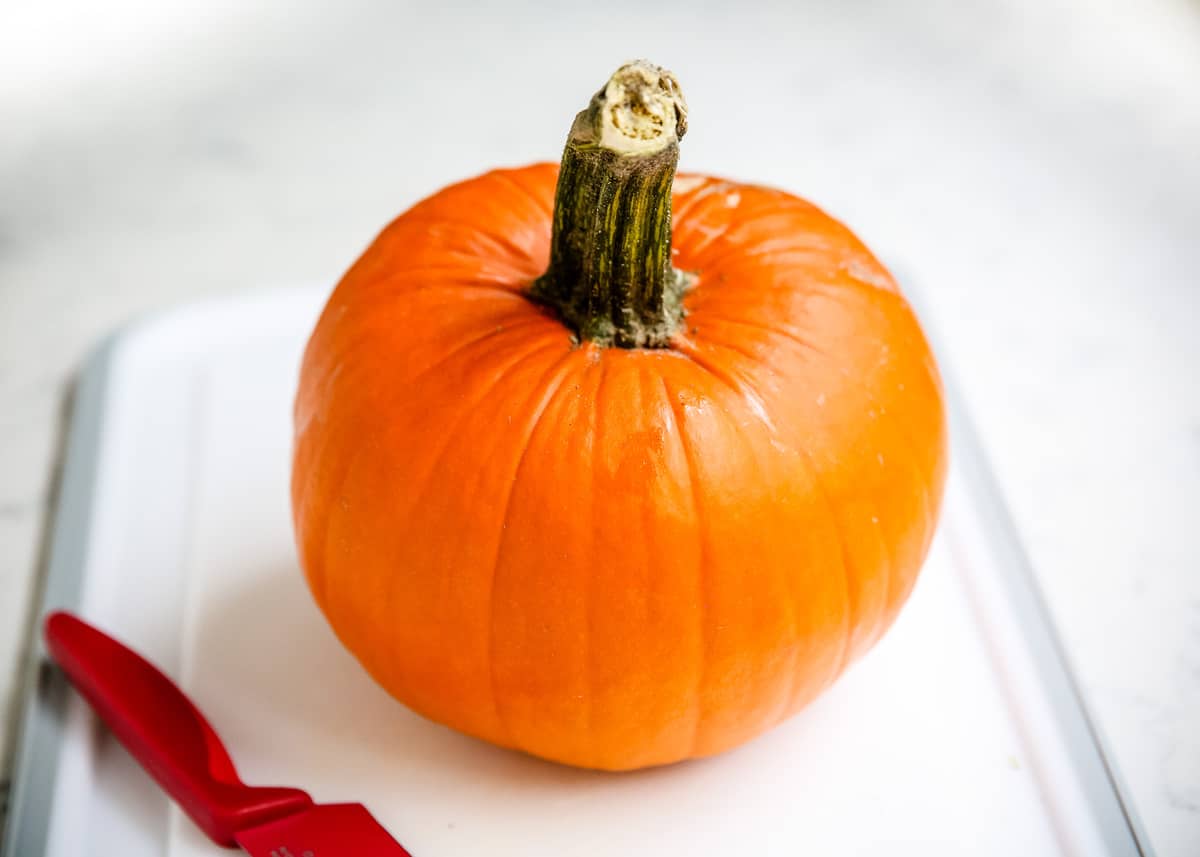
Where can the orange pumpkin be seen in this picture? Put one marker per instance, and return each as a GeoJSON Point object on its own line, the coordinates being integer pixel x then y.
{"type": "Point", "coordinates": [558, 495]}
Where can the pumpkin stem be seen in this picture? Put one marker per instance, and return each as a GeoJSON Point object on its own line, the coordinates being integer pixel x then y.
{"type": "Point", "coordinates": [610, 276]}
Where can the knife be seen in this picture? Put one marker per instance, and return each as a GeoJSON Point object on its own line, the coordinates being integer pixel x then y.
{"type": "Point", "coordinates": [169, 736]}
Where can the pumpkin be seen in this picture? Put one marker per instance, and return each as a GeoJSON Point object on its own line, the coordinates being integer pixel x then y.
{"type": "Point", "coordinates": [613, 466]}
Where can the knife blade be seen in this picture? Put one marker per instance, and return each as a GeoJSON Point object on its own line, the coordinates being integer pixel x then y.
{"type": "Point", "coordinates": [175, 744]}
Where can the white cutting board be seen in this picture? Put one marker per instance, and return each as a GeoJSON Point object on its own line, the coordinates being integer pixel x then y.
{"type": "Point", "coordinates": [949, 738]}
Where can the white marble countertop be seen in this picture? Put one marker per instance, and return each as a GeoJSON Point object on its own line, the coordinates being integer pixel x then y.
{"type": "Point", "coordinates": [1033, 166]}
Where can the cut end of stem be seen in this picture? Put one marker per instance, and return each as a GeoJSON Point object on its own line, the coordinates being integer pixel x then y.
{"type": "Point", "coordinates": [639, 111]}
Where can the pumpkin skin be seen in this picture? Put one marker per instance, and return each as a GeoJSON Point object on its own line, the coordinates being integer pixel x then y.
{"type": "Point", "coordinates": [610, 557]}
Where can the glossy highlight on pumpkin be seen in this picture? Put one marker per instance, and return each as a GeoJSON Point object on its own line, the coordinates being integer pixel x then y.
{"type": "Point", "coordinates": [612, 557]}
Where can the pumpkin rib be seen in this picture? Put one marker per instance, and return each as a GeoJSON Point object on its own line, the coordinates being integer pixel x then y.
{"type": "Point", "coordinates": [649, 385]}
{"type": "Point", "coordinates": [851, 270]}
{"type": "Point", "coordinates": [850, 610]}
{"type": "Point", "coordinates": [447, 438]}
{"type": "Point", "coordinates": [330, 439]}
{"type": "Point", "coordinates": [338, 485]}
{"type": "Point", "coordinates": [436, 459]}
{"type": "Point", "coordinates": [711, 235]}
{"type": "Point", "coordinates": [363, 343]}
{"type": "Point", "coordinates": [811, 348]}
{"type": "Point", "coordinates": [921, 485]}
{"type": "Point", "coordinates": [702, 571]}
{"type": "Point", "coordinates": [738, 349]}
{"type": "Point", "coordinates": [373, 335]}
{"type": "Point", "coordinates": [445, 282]}
{"type": "Point", "coordinates": [509, 274]}
{"type": "Point", "coordinates": [333, 438]}
{"type": "Point", "coordinates": [909, 446]}
{"type": "Point", "coordinates": [743, 391]}
{"type": "Point", "coordinates": [689, 350]}
{"type": "Point", "coordinates": [324, 380]}
{"type": "Point", "coordinates": [889, 575]}
{"type": "Point", "coordinates": [448, 434]}
{"type": "Point", "coordinates": [932, 375]}
{"type": "Point", "coordinates": [709, 315]}
{"type": "Point", "coordinates": [696, 247]}
{"type": "Point", "coordinates": [777, 245]}
{"type": "Point", "coordinates": [871, 294]}
{"type": "Point", "coordinates": [367, 334]}
{"type": "Point", "coordinates": [558, 372]}
{"type": "Point", "coordinates": [785, 255]}
{"type": "Point", "coordinates": [785, 208]}
{"type": "Point", "coordinates": [589, 658]}
{"type": "Point", "coordinates": [693, 198]}
{"type": "Point", "coordinates": [537, 198]}
{"type": "Point", "coordinates": [807, 346]}
{"type": "Point", "coordinates": [470, 229]}
{"type": "Point", "coordinates": [492, 332]}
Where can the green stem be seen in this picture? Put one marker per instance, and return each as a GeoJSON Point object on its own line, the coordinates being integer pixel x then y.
{"type": "Point", "coordinates": [610, 276]}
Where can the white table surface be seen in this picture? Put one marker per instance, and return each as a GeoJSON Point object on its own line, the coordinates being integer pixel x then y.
{"type": "Point", "coordinates": [1034, 166]}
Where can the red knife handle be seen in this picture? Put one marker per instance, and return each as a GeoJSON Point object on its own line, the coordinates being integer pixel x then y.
{"type": "Point", "coordinates": [164, 731]}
